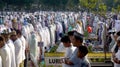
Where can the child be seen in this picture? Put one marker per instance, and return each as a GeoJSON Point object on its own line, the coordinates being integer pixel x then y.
{"type": "Point", "coordinates": [69, 48]}
{"type": "Point", "coordinates": [82, 52]}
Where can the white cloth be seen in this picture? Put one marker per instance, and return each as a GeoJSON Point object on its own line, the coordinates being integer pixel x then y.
{"type": "Point", "coordinates": [118, 57]}
{"type": "Point", "coordinates": [5, 55]}
{"type": "Point", "coordinates": [117, 25]}
{"type": "Point", "coordinates": [45, 37]}
{"type": "Point", "coordinates": [78, 28]}
{"type": "Point", "coordinates": [33, 60]}
{"type": "Point", "coordinates": [59, 29]}
{"type": "Point", "coordinates": [12, 51]}
{"type": "Point", "coordinates": [18, 52]}
{"type": "Point", "coordinates": [23, 47]}
{"type": "Point", "coordinates": [33, 46]}
{"type": "Point", "coordinates": [68, 53]}
{"type": "Point", "coordinates": [112, 50]}
{"type": "Point", "coordinates": [0, 61]}
{"type": "Point", "coordinates": [24, 32]}
{"type": "Point", "coordinates": [52, 32]}
{"type": "Point", "coordinates": [41, 33]}
{"type": "Point", "coordinates": [61, 48]}
{"type": "Point", "coordinates": [48, 36]}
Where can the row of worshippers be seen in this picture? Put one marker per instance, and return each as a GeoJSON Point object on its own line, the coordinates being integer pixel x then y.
{"type": "Point", "coordinates": [12, 49]}
{"type": "Point", "coordinates": [68, 20]}
{"type": "Point", "coordinates": [62, 22]}
{"type": "Point", "coordinates": [16, 22]}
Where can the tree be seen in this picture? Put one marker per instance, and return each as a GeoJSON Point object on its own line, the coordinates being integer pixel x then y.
{"type": "Point", "coordinates": [118, 8]}
{"type": "Point", "coordinates": [89, 4]}
{"type": "Point", "coordinates": [2, 4]}
{"type": "Point", "coordinates": [102, 7]}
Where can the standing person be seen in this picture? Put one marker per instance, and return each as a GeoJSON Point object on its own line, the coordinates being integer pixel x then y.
{"type": "Point", "coordinates": [114, 47]}
{"type": "Point", "coordinates": [70, 34]}
{"type": "Point", "coordinates": [82, 52]}
{"type": "Point", "coordinates": [18, 48]}
{"type": "Point", "coordinates": [20, 36]}
{"type": "Point", "coordinates": [116, 57]}
{"type": "Point", "coordinates": [4, 53]}
{"type": "Point", "coordinates": [14, 23]}
{"type": "Point", "coordinates": [115, 36]}
{"type": "Point", "coordinates": [79, 27]}
{"type": "Point", "coordinates": [89, 29]}
{"type": "Point", "coordinates": [77, 41]}
{"type": "Point", "coordinates": [12, 48]}
{"type": "Point", "coordinates": [69, 48]}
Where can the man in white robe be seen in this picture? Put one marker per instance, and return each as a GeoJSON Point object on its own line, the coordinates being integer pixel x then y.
{"type": "Point", "coordinates": [12, 49]}
{"type": "Point", "coordinates": [18, 49]}
{"type": "Point", "coordinates": [20, 36]}
{"type": "Point", "coordinates": [4, 53]}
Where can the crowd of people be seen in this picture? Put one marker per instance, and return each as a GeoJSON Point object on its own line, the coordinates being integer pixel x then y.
{"type": "Point", "coordinates": [26, 36]}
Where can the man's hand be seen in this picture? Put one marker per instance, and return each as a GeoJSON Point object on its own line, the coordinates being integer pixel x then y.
{"type": "Point", "coordinates": [116, 60]}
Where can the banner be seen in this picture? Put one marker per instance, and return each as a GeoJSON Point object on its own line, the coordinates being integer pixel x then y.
{"type": "Point", "coordinates": [54, 59]}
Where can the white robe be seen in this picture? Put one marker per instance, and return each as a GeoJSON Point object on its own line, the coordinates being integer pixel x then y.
{"type": "Point", "coordinates": [52, 31]}
{"type": "Point", "coordinates": [18, 51]}
{"type": "Point", "coordinates": [117, 25]}
{"type": "Point", "coordinates": [41, 33]}
{"type": "Point", "coordinates": [68, 53]}
{"type": "Point", "coordinates": [5, 55]}
{"type": "Point", "coordinates": [23, 47]}
{"type": "Point", "coordinates": [24, 32]}
{"type": "Point", "coordinates": [59, 29]}
{"type": "Point", "coordinates": [33, 45]}
{"type": "Point", "coordinates": [78, 28]}
{"type": "Point", "coordinates": [33, 49]}
{"type": "Point", "coordinates": [48, 36]}
{"type": "Point", "coordinates": [44, 36]}
{"type": "Point", "coordinates": [12, 51]}
{"type": "Point", "coordinates": [61, 48]}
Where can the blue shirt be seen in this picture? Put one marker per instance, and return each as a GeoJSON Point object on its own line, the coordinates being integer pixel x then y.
{"type": "Point", "coordinates": [77, 61]}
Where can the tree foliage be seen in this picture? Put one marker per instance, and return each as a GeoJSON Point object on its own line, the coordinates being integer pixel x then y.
{"type": "Point", "coordinates": [102, 7]}
{"type": "Point", "coordinates": [91, 5]}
